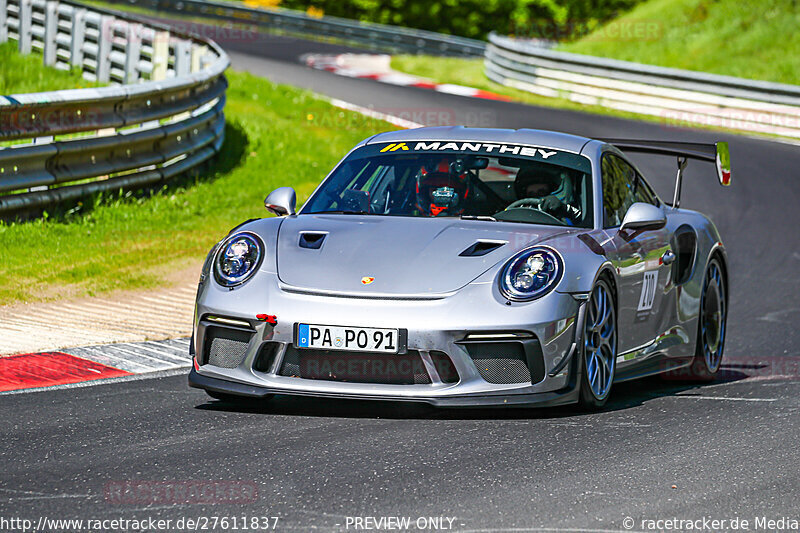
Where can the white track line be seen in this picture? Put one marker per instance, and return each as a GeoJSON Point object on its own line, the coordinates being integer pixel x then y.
{"type": "Point", "coordinates": [391, 119]}
{"type": "Point", "coordinates": [723, 398]}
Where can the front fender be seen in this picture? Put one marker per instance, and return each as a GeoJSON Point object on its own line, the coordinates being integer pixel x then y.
{"type": "Point", "coordinates": [584, 260]}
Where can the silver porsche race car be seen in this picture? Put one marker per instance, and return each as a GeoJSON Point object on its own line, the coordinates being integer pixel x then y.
{"type": "Point", "coordinates": [468, 267]}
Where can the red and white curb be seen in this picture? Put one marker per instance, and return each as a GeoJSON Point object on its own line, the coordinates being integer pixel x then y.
{"type": "Point", "coordinates": [378, 67]}
{"type": "Point", "coordinates": [72, 366]}
{"type": "Point", "coordinates": [378, 115]}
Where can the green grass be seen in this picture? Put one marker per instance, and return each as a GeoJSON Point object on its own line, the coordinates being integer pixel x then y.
{"type": "Point", "coordinates": [26, 74]}
{"type": "Point", "coordinates": [276, 135]}
{"type": "Point", "coordinates": [755, 39]}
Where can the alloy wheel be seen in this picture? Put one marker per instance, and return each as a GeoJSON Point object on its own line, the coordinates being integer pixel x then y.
{"type": "Point", "coordinates": [600, 341]}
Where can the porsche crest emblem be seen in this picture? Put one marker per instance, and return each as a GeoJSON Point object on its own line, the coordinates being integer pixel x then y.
{"type": "Point", "coordinates": [366, 280]}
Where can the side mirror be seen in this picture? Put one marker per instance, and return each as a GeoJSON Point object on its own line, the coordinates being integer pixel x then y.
{"type": "Point", "coordinates": [281, 201]}
{"type": "Point", "coordinates": [642, 216]}
{"type": "Point", "coordinates": [723, 163]}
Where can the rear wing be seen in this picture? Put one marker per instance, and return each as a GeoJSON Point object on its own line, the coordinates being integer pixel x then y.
{"type": "Point", "coordinates": [717, 153]}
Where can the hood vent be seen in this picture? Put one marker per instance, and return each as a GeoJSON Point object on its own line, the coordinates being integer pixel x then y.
{"type": "Point", "coordinates": [312, 240]}
{"type": "Point", "coordinates": [481, 248]}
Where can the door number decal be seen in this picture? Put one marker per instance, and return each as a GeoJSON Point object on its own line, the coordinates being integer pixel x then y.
{"type": "Point", "coordinates": [648, 290]}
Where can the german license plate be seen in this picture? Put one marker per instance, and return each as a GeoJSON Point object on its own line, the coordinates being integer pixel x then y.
{"type": "Point", "coordinates": [347, 338]}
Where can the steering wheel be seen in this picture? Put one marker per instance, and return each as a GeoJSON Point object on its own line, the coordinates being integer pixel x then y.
{"type": "Point", "coordinates": [526, 205]}
{"type": "Point", "coordinates": [530, 203]}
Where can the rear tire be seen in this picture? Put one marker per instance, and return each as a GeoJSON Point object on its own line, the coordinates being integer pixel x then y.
{"type": "Point", "coordinates": [711, 324]}
{"type": "Point", "coordinates": [599, 348]}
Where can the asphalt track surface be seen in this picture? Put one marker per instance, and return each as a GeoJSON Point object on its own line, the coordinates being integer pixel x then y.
{"type": "Point", "coordinates": [730, 448]}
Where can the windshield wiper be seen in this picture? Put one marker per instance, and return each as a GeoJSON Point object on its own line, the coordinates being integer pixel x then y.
{"type": "Point", "coordinates": [340, 213]}
{"type": "Point", "coordinates": [478, 217]}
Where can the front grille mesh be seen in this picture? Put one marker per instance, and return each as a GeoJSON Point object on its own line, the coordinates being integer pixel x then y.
{"type": "Point", "coordinates": [226, 353]}
{"type": "Point", "coordinates": [291, 363]}
{"type": "Point", "coordinates": [500, 362]}
{"type": "Point", "coordinates": [355, 367]}
{"type": "Point", "coordinates": [226, 347]}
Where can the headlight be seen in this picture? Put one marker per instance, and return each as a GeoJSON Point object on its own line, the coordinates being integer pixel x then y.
{"type": "Point", "coordinates": [531, 273]}
{"type": "Point", "coordinates": [237, 259]}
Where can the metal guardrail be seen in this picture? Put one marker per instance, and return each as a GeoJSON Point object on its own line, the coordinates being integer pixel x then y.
{"type": "Point", "coordinates": [167, 118]}
{"type": "Point", "coordinates": [676, 96]}
{"type": "Point", "coordinates": [371, 35]}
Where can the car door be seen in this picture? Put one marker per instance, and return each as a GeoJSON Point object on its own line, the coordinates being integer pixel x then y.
{"type": "Point", "coordinates": [637, 255]}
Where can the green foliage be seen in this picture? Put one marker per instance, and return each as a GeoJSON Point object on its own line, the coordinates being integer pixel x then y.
{"type": "Point", "coordinates": [755, 39]}
{"type": "Point", "coordinates": [26, 74]}
{"type": "Point", "coordinates": [548, 19]}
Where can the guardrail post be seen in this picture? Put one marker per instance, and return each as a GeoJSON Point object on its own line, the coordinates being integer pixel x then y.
{"type": "Point", "coordinates": [104, 49]}
{"type": "Point", "coordinates": [198, 53]}
{"type": "Point", "coordinates": [47, 139]}
{"type": "Point", "coordinates": [25, 23]}
{"type": "Point", "coordinates": [78, 37]}
{"type": "Point", "coordinates": [160, 55]}
{"type": "Point", "coordinates": [3, 22]}
{"type": "Point", "coordinates": [183, 57]}
{"type": "Point", "coordinates": [50, 32]}
{"type": "Point", "coordinates": [133, 53]}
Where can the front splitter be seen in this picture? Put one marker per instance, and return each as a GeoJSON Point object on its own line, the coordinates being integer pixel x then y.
{"type": "Point", "coordinates": [566, 396]}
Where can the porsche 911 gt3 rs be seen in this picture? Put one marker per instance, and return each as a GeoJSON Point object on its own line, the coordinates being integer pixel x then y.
{"type": "Point", "coordinates": [468, 267]}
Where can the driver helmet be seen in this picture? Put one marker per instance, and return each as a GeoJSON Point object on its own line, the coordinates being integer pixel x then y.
{"type": "Point", "coordinates": [440, 190]}
{"type": "Point", "coordinates": [537, 181]}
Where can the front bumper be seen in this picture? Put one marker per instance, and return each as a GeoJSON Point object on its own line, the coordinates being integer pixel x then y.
{"type": "Point", "coordinates": [442, 325]}
{"type": "Point", "coordinates": [566, 396]}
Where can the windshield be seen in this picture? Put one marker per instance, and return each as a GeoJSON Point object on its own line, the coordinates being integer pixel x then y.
{"type": "Point", "coordinates": [469, 180]}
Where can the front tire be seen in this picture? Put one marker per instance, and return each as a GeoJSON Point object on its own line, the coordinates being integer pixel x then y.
{"type": "Point", "coordinates": [599, 349]}
{"type": "Point", "coordinates": [711, 325]}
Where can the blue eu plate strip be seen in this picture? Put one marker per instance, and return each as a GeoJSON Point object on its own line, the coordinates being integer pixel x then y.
{"type": "Point", "coordinates": [303, 337]}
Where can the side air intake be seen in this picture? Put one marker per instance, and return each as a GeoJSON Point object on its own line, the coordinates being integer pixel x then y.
{"type": "Point", "coordinates": [311, 240]}
{"type": "Point", "coordinates": [507, 362]}
{"type": "Point", "coordinates": [481, 248]}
